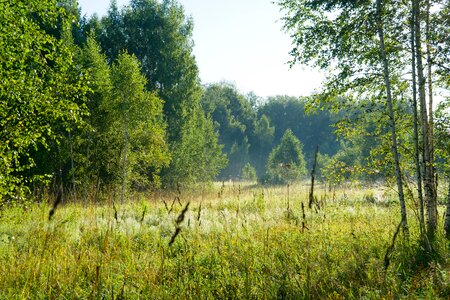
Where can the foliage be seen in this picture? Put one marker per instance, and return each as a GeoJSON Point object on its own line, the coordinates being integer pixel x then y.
{"type": "Point", "coordinates": [249, 173]}
{"type": "Point", "coordinates": [442, 134]}
{"type": "Point", "coordinates": [96, 144]}
{"type": "Point", "coordinates": [286, 162]}
{"type": "Point", "coordinates": [159, 35]}
{"type": "Point", "coordinates": [234, 119]}
{"type": "Point", "coordinates": [312, 128]}
{"type": "Point", "coordinates": [136, 129]}
{"type": "Point", "coordinates": [42, 94]}
{"type": "Point", "coordinates": [249, 128]}
{"type": "Point", "coordinates": [197, 156]}
{"type": "Point", "coordinates": [263, 143]}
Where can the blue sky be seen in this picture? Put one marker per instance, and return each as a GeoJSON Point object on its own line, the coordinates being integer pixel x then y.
{"type": "Point", "coordinates": [240, 41]}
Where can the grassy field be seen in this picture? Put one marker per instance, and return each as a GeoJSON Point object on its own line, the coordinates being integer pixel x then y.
{"type": "Point", "coordinates": [235, 241]}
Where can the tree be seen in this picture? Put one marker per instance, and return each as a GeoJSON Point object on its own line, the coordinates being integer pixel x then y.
{"type": "Point", "coordinates": [387, 82]}
{"type": "Point", "coordinates": [234, 118]}
{"type": "Point", "coordinates": [136, 128]}
{"type": "Point", "coordinates": [311, 127]}
{"type": "Point", "coordinates": [359, 42]}
{"type": "Point", "coordinates": [159, 35]}
{"type": "Point", "coordinates": [366, 46]}
{"type": "Point", "coordinates": [197, 156]}
{"type": "Point", "coordinates": [249, 173]}
{"type": "Point", "coordinates": [41, 91]}
{"type": "Point", "coordinates": [264, 136]}
{"type": "Point", "coordinates": [96, 147]}
{"type": "Point", "coordinates": [286, 162]}
{"type": "Point", "coordinates": [427, 139]}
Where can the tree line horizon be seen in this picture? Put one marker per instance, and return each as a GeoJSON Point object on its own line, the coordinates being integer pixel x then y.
{"type": "Point", "coordinates": [116, 103]}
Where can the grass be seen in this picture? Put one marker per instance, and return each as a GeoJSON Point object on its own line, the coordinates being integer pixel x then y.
{"type": "Point", "coordinates": [234, 242]}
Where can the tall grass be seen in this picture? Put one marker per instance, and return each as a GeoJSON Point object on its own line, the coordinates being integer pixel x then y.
{"type": "Point", "coordinates": [235, 241]}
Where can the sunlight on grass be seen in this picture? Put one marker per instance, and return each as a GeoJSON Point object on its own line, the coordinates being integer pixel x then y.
{"type": "Point", "coordinates": [236, 241]}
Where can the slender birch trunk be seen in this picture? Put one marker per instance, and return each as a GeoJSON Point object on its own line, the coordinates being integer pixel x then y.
{"type": "Point", "coordinates": [447, 215]}
{"type": "Point", "coordinates": [430, 95]}
{"type": "Point", "coordinates": [394, 146]}
{"type": "Point", "coordinates": [428, 178]}
{"type": "Point", "coordinates": [86, 167]}
{"type": "Point", "coordinates": [124, 173]}
{"type": "Point", "coordinates": [416, 129]}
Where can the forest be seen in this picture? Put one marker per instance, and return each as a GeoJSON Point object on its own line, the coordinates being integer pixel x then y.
{"type": "Point", "coordinates": [122, 175]}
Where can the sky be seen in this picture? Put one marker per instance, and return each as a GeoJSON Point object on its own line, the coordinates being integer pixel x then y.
{"type": "Point", "coordinates": [239, 41]}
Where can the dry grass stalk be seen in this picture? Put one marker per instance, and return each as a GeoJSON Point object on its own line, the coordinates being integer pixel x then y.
{"type": "Point", "coordinates": [56, 203]}
{"type": "Point", "coordinates": [143, 215]}
{"type": "Point", "coordinates": [178, 222]}
{"type": "Point", "coordinates": [304, 218]}
{"type": "Point", "coordinates": [116, 215]}
{"type": "Point", "coordinates": [199, 213]}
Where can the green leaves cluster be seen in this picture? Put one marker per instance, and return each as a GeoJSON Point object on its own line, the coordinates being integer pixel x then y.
{"type": "Point", "coordinates": [381, 54]}
{"type": "Point", "coordinates": [41, 90]}
{"type": "Point", "coordinates": [159, 35]}
{"type": "Point", "coordinates": [99, 104]}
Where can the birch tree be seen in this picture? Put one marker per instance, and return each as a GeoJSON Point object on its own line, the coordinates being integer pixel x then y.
{"type": "Point", "coordinates": [357, 46]}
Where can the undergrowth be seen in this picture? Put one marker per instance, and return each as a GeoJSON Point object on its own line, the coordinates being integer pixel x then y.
{"type": "Point", "coordinates": [233, 242]}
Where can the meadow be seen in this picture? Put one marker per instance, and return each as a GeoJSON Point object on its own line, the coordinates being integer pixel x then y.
{"type": "Point", "coordinates": [229, 241]}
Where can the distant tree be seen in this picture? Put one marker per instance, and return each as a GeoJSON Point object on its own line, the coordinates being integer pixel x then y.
{"type": "Point", "coordinates": [234, 118]}
{"type": "Point", "coordinates": [197, 156]}
{"type": "Point", "coordinates": [312, 129]}
{"type": "Point", "coordinates": [249, 173]}
{"type": "Point", "coordinates": [323, 160]}
{"type": "Point", "coordinates": [263, 142]}
{"type": "Point", "coordinates": [286, 162]}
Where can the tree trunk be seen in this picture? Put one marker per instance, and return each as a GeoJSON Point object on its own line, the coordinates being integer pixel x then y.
{"type": "Point", "coordinates": [430, 96]}
{"type": "Point", "coordinates": [124, 173]}
{"type": "Point", "coordinates": [416, 129]}
{"type": "Point", "coordinates": [313, 174]}
{"type": "Point", "coordinates": [428, 177]}
{"type": "Point", "coordinates": [430, 82]}
{"type": "Point", "coordinates": [72, 167]}
{"type": "Point", "coordinates": [86, 167]}
{"type": "Point", "coordinates": [394, 146]}
{"type": "Point", "coordinates": [447, 215]}
{"type": "Point", "coordinates": [124, 166]}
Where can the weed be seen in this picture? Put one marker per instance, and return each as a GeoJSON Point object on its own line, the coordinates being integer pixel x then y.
{"type": "Point", "coordinates": [258, 254]}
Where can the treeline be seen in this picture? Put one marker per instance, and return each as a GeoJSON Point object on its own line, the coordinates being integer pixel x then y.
{"type": "Point", "coordinates": [250, 130]}
{"type": "Point", "coordinates": [101, 104]}
{"type": "Point", "coordinates": [115, 104]}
